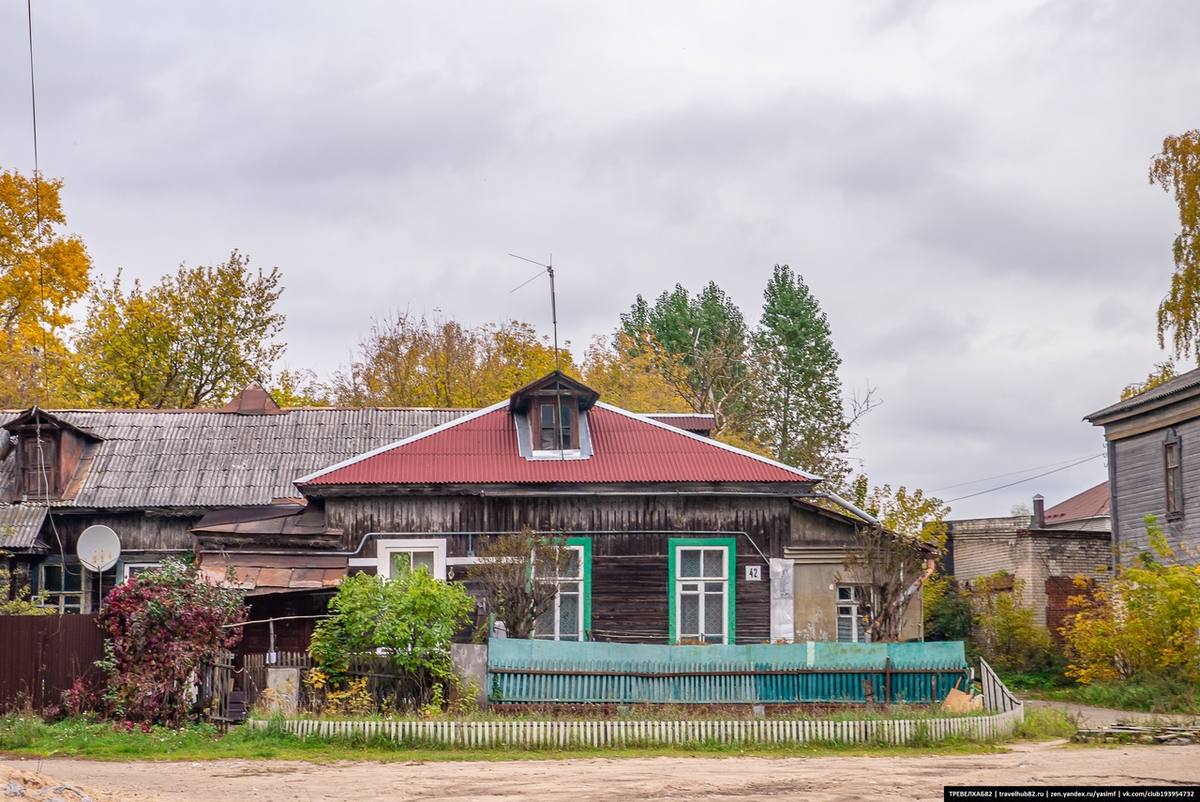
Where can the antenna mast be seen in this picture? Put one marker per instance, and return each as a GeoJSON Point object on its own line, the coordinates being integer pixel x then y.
{"type": "Point", "coordinates": [553, 298]}
{"type": "Point", "coordinates": [558, 405]}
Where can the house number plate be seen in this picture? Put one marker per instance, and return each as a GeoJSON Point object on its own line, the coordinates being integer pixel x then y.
{"type": "Point", "coordinates": [753, 573]}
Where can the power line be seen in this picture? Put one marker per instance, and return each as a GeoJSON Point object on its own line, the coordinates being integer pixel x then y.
{"type": "Point", "coordinates": [1003, 475]}
{"type": "Point", "coordinates": [1030, 479]}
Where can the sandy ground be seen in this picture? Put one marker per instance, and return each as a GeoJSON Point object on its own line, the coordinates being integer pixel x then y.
{"type": "Point", "coordinates": [831, 778]}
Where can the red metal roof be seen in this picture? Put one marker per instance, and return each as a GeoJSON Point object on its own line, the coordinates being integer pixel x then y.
{"type": "Point", "coordinates": [685, 421]}
{"type": "Point", "coordinates": [1088, 504]}
{"type": "Point", "coordinates": [482, 449]}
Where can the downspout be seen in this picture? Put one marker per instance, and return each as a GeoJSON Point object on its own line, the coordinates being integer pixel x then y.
{"type": "Point", "coordinates": [846, 505]}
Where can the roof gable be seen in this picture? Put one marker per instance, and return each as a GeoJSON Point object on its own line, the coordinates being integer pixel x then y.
{"type": "Point", "coordinates": [628, 449]}
{"type": "Point", "coordinates": [557, 381]}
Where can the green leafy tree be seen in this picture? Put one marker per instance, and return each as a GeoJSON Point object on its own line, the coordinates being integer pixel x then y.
{"type": "Point", "coordinates": [518, 574]}
{"type": "Point", "coordinates": [699, 346]}
{"type": "Point", "coordinates": [1177, 170]}
{"type": "Point", "coordinates": [195, 339]}
{"type": "Point", "coordinates": [888, 560]}
{"type": "Point", "coordinates": [42, 273]}
{"type": "Point", "coordinates": [798, 396]}
{"type": "Point", "coordinates": [409, 620]}
{"type": "Point", "coordinates": [1006, 632]}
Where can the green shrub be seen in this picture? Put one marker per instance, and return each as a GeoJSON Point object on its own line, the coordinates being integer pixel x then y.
{"type": "Point", "coordinates": [1143, 625]}
{"type": "Point", "coordinates": [1006, 632]}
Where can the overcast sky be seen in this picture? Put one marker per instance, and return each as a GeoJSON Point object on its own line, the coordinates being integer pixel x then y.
{"type": "Point", "coordinates": [962, 185]}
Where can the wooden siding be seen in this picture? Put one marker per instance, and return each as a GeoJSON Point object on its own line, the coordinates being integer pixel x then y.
{"type": "Point", "coordinates": [630, 583]}
{"type": "Point", "coordinates": [771, 522]}
{"type": "Point", "coordinates": [137, 531]}
{"type": "Point", "coordinates": [1139, 488]}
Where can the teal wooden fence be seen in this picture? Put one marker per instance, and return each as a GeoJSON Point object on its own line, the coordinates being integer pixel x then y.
{"type": "Point", "coordinates": [546, 672]}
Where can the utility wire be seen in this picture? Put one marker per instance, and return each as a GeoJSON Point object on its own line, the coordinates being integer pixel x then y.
{"type": "Point", "coordinates": [1030, 479]}
{"type": "Point", "coordinates": [1003, 475]}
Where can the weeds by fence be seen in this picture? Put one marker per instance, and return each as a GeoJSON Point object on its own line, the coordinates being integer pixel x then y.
{"type": "Point", "coordinates": [565, 734]}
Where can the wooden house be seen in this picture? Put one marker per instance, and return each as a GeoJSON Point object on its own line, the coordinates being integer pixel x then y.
{"type": "Point", "coordinates": [680, 537]}
{"type": "Point", "coordinates": [1153, 441]}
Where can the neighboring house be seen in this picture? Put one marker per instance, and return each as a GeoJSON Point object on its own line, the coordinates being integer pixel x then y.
{"type": "Point", "coordinates": [152, 475]}
{"type": "Point", "coordinates": [680, 537]}
{"type": "Point", "coordinates": [1046, 550]}
{"type": "Point", "coordinates": [1154, 465]}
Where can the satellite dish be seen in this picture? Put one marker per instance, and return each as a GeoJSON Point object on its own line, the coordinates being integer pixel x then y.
{"type": "Point", "coordinates": [98, 548]}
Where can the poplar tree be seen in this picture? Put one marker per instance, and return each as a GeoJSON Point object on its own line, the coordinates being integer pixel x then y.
{"type": "Point", "coordinates": [798, 396]}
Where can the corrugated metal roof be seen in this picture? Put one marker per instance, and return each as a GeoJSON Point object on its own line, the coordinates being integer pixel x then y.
{"type": "Point", "coordinates": [149, 459]}
{"type": "Point", "coordinates": [1155, 395]}
{"type": "Point", "coordinates": [690, 422]}
{"type": "Point", "coordinates": [482, 449]}
{"type": "Point", "coordinates": [1091, 503]}
{"type": "Point", "coordinates": [20, 524]}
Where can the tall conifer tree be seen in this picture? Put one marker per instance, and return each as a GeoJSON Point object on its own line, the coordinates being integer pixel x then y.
{"type": "Point", "coordinates": [798, 395]}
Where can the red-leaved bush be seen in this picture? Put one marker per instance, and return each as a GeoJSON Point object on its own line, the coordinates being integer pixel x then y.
{"type": "Point", "coordinates": [162, 624]}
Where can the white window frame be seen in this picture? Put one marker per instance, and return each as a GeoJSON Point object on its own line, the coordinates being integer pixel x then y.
{"type": "Point", "coordinates": [129, 570]}
{"type": "Point", "coordinates": [681, 580]}
{"type": "Point", "coordinates": [384, 549]}
{"type": "Point", "coordinates": [556, 611]}
{"type": "Point", "coordinates": [859, 629]}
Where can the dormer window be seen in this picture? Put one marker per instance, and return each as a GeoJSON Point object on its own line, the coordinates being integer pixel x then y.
{"type": "Point", "coordinates": [550, 415]}
{"type": "Point", "coordinates": [557, 429]}
{"type": "Point", "coordinates": [39, 465]}
{"type": "Point", "coordinates": [49, 453]}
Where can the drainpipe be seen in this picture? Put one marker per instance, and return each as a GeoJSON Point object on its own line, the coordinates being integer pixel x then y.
{"type": "Point", "coordinates": [846, 505]}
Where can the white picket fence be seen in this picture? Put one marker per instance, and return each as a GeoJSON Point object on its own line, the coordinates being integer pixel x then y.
{"type": "Point", "coordinates": [624, 732]}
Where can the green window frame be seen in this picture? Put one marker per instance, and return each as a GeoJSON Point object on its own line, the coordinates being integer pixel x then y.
{"type": "Point", "coordinates": [679, 585]}
{"type": "Point", "coordinates": [550, 629]}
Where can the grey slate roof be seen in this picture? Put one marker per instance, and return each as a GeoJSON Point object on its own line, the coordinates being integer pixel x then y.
{"type": "Point", "coordinates": [212, 458]}
{"type": "Point", "coordinates": [20, 524]}
{"type": "Point", "coordinates": [1164, 393]}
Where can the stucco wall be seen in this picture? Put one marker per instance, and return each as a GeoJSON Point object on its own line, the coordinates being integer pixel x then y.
{"type": "Point", "coordinates": [817, 577]}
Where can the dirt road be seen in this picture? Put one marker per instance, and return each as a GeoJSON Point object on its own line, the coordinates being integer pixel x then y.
{"type": "Point", "coordinates": [850, 778]}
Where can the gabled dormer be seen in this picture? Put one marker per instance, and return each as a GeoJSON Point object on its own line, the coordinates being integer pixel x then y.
{"type": "Point", "coordinates": [48, 453]}
{"type": "Point", "coordinates": [551, 418]}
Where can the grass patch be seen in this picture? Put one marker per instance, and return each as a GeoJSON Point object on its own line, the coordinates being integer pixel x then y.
{"type": "Point", "coordinates": [1156, 695]}
{"type": "Point", "coordinates": [29, 735]}
{"type": "Point", "coordinates": [1045, 724]}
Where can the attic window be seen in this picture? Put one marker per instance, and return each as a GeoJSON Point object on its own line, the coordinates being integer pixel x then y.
{"type": "Point", "coordinates": [551, 416]}
{"type": "Point", "coordinates": [39, 465]}
{"type": "Point", "coordinates": [557, 430]}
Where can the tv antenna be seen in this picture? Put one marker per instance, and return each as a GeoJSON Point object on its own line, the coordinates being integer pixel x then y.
{"type": "Point", "coordinates": [553, 301]}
